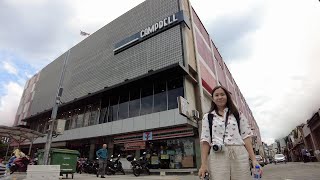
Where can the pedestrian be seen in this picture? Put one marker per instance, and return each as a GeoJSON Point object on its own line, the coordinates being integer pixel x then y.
{"type": "Point", "coordinates": [228, 146]}
{"type": "Point", "coordinates": [102, 155]}
{"type": "Point", "coordinates": [305, 156]}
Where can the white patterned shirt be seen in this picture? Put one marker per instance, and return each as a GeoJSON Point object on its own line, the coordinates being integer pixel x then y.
{"type": "Point", "coordinates": [232, 136]}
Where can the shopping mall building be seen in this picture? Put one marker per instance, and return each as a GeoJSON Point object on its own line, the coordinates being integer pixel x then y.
{"type": "Point", "coordinates": [122, 86]}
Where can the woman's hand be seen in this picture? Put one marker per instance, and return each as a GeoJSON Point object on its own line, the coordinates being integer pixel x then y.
{"type": "Point", "coordinates": [254, 164]}
{"type": "Point", "coordinates": [202, 171]}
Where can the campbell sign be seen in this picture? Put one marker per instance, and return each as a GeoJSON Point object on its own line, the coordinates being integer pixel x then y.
{"type": "Point", "coordinates": [158, 27]}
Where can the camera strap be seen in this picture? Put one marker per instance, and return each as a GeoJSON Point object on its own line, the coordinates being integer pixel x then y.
{"type": "Point", "coordinates": [225, 126]}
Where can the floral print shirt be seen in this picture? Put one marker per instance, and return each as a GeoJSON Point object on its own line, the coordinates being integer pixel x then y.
{"type": "Point", "coordinates": [232, 136]}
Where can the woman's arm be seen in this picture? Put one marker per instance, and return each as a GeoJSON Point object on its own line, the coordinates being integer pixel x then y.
{"type": "Point", "coordinates": [205, 139]}
{"type": "Point", "coordinates": [205, 147]}
{"type": "Point", "coordinates": [248, 145]}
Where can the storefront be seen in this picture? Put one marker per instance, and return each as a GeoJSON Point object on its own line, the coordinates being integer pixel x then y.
{"type": "Point", "coordinates": [166, 148]}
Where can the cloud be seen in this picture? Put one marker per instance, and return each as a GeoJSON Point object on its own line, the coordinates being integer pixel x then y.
{"type": "Point", "coordinates": [280, 78]}
{"type": "Point", "coordinates": [10, 68]}
{"type": "Point", "coordinates": [231, 33]}
{"type": "Point", "coordinates": [35, 29]}
{"type": "Point", "coordinates": [43, 30]}
{"type": "Point", "coordinates": [9, 103]}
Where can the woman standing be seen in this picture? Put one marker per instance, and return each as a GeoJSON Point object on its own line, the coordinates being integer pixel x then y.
{"type": "Point", "coordinates": [231, 140]}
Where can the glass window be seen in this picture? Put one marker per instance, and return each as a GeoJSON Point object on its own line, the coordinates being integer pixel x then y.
{"type": "Point", "coordinates": [103, 115]}
{"type": "Point", "coordinates": [94, 115]}
{"type": "Point", "coordinates": [124, 105]}
{"type": "Point", "coordinates": [146, 99]}
{"type": "Point", "coordinates": [74, 120]}
{"type": "Point", "coordinates": [175, 89]}
{"type": "Point", "coordinates": [104, 111]}
{"type": "Point", "coordinates": [80, 117]}
{"type": "Point", "coordinates": [113, 109]}
{"type": "Point", "coordinates": [69, 120]}
{"type": "Point", "coordinates": [160, 96]}
{"type": "Point", "coordinates": [86, 117]}
{"type": "Point", "coordinates": [41, 126]}
{"type": "Point", "coordinates": [171, 154]}
{"type": "Point", "coordinates": [134, 105]}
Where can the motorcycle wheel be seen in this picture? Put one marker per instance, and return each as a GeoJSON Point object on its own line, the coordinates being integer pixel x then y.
{"type": "Point", "coordinates": [108, 172]}
{"type": "Point", "coordinates": [123, 171]}
{"type": "Point", "coordinates": [136, 172]}
{"type": "Point", "coordinates": [13, 169]}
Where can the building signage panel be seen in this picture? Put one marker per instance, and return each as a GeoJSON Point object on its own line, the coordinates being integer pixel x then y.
{"type": "Point", "coordinates": [183, 106]}
{"type": "Point", "coordinates": [147, 136]}
{"type": "Point", "coordinates": [135, 146]}
{"type": "Point", "coordinates": [152, 30]}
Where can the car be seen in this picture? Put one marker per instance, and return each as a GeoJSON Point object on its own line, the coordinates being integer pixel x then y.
{"type": "Point", "coordinates": [260, 160]}
{"type": "Point", "coordinates": [279, 158]}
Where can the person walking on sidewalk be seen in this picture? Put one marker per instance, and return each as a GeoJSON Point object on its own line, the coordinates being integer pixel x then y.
{"type": "Point", "coordinates": [228, 146]}
{"type": "Point", "coordinates": [102, 155]}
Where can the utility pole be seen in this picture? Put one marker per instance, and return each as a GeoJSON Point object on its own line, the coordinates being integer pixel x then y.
{"type": "Point", "coordinates": [54, 112]}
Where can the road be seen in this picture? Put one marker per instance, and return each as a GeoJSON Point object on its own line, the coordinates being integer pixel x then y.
{"type": "Point", "coordinates": [292, 171]}
{"type": "Point", "coordinates": [289, 171]}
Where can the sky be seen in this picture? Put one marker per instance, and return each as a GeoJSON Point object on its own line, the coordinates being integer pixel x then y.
{"type": "Point", "coordinates": [270, 48]}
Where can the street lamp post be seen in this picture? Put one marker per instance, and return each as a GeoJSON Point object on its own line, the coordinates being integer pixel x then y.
{"type": "Point", "coordinates": [54, 112]}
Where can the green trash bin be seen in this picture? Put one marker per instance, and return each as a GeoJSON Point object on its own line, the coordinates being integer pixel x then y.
{"type": "Point", "coordinates": [66, 158]}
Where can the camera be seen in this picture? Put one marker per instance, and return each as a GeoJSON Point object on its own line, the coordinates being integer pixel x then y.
{"type": "Point", "coordinates": [217, 147]}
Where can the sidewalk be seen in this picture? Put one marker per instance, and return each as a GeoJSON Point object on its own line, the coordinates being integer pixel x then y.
{"type": "Point", "coordinates": [21, 176]}
{"type": "Point", "coordinates": [131, 176]}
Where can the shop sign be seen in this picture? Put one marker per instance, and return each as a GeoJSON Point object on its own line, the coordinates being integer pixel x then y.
{"type": "Point", "coordinates": [135, 146]}
{"type": "Point", "coordinates": [156, 28]}
{"type": "Point", "coordinates": [147, 136]}
{"type": "Point", "coordinates": [183, 106]}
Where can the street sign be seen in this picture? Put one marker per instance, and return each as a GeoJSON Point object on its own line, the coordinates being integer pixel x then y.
{"type": "Point", "coordinates": [147, 136]}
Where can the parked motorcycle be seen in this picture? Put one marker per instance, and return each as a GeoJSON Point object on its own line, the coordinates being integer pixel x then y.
{"type": "Point", "coordinates": [19, 164]}
{"type": "Point", "coordinates": [90, 167]}
{"type": "Point", "coordinates": [114, 166]}
{"type": "Point", "coordinates": [80, 165]}
{"type": "Point", "coordinates": [139, 166]}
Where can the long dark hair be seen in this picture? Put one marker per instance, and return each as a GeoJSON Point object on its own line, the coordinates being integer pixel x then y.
{"type": "Point", "coordinates": [230, 105]}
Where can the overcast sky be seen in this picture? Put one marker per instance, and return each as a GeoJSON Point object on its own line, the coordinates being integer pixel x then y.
{"type": "Point", "coordinates": [271, 48]}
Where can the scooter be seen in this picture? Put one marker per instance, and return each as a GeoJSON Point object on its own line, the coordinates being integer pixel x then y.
{"type": "Point", "coordinates": [19, 164]}
{"type": "Point", "coordinates": [80, 165]}
{"type": "Point", "coordinates": [90, 167]}
{"type": "Point", "coordinates": [140, 166]}
{"type": "Point", "coordinates": [114, 167]}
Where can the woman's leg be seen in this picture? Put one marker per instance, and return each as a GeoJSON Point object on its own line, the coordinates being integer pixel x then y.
{"type": "Point", "coordinates": [219, 165]}
{"type": "Point", "coordinates": [240, 169]}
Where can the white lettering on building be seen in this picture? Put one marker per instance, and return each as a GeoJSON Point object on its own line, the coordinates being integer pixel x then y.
{"type": "Point", "coordinates": [159, 25]}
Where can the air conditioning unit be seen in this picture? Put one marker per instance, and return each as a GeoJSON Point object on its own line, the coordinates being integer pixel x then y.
{"type": "Point", "coordinates": [195, 114]}
{"type": "Point", "coordinates": [61, 123]}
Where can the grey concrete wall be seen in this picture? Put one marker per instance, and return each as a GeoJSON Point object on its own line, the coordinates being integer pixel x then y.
{"type": "Point", "coordinates": [140, 123]}
{"type": "Point", "coordinates": [92, 64]}
{"type": "Point", "coordinates": [46, 88]}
